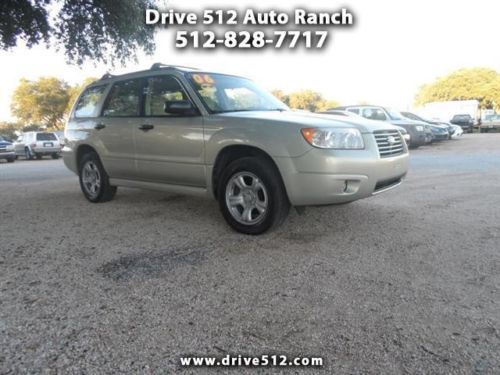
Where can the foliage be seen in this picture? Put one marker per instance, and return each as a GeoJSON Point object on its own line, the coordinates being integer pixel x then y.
{"type": "Point", "coordinates": [9, 129]}
{"type": "Point", "coordinates": [43, 101]}
{"type": "Point", "coordinates": [280, 95]}
{"type": "Point", "coordinates": [327, 104]}
{"type": "Point", "coordinates": [307, 100]}
{"type": "Point", "coordinates": [98, 30]}
{"type": "Point", "coordinates": [481, 84]}
{"type": "Point", "coordinates": [46, 101]}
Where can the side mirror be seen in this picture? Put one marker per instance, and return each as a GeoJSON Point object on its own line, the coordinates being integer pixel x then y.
{"type": "Point", "coordinates": [180, 107]}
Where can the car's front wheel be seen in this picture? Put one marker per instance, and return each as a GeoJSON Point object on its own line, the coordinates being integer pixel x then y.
{"type": "Point", "coordinates": [11, 160]}
{"type": "Point", "coordinates": [94, 181]}
{"type": "Point", "coordinates": [251, 195]}
{"type": "Point", "coordinates": [55, 155]}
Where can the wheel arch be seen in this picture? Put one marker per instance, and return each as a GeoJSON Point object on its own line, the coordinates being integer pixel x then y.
{"type": "Point", "coordinates": [80, 151]}
{"type": "Point", "coordinates": [233, 152]}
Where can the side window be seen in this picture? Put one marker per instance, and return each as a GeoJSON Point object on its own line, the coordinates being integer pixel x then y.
{"type": "Point", "coordinates": [353, 110]}
{"type": "Point", "coordinates": [161, 91]}
{"type": "Point", "coordinates": [124, 99]}
{"type": "Point", "coordinates": [86, 106]}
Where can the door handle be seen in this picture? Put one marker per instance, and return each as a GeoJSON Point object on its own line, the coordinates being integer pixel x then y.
{"type": "Point", "coordinates": [146, 127]}
{"type": "Point", "coordinates": [99, 126]}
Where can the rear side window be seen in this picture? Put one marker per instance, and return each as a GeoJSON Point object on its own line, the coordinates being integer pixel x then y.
{"type": "Point", "coordinates": [46, 137]}
{"type": "Point", "coordinates": [353, 110]}
{"type": "Point", "coordinates": [124, 99]}
{"type": "Point", "coordinates": [86, 106]}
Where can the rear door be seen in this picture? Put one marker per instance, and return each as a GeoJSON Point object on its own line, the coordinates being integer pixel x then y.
{"type": "Point", "coordinates": [114, 128]}
{"type": "Point", "coordinates": [169, 147]}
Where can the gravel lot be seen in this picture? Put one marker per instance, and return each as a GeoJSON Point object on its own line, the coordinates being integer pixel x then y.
{"type": "Point", "coordinates": [404, 282]}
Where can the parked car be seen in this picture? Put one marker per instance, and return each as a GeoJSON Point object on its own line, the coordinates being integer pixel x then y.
{"type": "Point", "coordinates": [338, 112]}
{"type": "Point", "coordinates": [187, 131]}
{"type": "Point", "coordinates": [465, 121]}
{"type": "Point", "coordinates": [490, 123]}
{"type": "Point", "coordinates": [445, 125]}
{"type": "Point", "coordinates": [439, 133]}
{"type": "Point", "coordinates": [7, 149]}
{"type": "Point", "coordinates": [416, 129]}
{"type": "Point", "coordinates": [37, 144]}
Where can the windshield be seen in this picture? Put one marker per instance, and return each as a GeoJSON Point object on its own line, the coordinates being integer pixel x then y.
{"type": "Point", "coordinates": [395, 115]}
{"type": "Point", "coordinates": [3, 139]}
{"type": "Point", "coordinates": [221, 93]}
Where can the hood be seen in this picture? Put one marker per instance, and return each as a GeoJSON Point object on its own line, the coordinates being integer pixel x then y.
{"type": "Point", "coordinates": [406, 121]}
{"type": "Point", "coordinates": [306, 119]}
{"type": "Point", "coordinates": [5, 143]}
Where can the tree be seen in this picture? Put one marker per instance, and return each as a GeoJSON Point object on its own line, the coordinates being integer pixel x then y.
{"type": "Point", "coordinates": [481, 84]}
{"type": "Point", "coordinates": [280, 95]}
{"type": "Point", "coordinates": [306, 99]}
{"type": "Point", "coordinates": [8, 129]}
{"type": "Point", "coordinates": [44, 101]}
{"type": "Point", "coordinates": [327, 104]}
{"type": "Point", "coordinates": [98, 30]}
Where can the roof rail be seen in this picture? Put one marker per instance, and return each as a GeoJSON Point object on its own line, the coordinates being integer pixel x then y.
{"type": "Point", "coordinates": [157, 66]}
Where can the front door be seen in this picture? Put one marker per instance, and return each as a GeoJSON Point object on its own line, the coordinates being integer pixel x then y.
{"type": "Point", "coordinates": [169, 146]}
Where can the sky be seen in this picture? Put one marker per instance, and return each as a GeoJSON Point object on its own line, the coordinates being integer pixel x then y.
{"type": "Point", "coordinates": [393, 48]}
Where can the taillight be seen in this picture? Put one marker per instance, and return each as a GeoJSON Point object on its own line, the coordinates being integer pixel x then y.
{"type": "Point", "coordinates": [33, 145]}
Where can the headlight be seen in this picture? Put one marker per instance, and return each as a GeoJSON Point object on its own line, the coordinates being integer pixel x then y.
{"type": "Point", "coordinates": [9, 148]}
{"type": "Point", "coordinates": [337, 138]}
{"type": "Point", "coordinates": [419, 128]}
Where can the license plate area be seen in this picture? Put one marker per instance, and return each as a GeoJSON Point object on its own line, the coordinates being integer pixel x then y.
{"type": "Point", "coordinates": [48, 144]}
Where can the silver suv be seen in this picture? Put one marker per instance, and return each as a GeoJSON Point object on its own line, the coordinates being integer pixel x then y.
{"type": "Point", "coordinates": [37, 144]}
{"type": "Point", "coordinates": [187, 131]}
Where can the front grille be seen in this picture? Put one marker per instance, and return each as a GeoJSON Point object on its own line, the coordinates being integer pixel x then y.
{"type": "Point", "coordinates": [389, 142]}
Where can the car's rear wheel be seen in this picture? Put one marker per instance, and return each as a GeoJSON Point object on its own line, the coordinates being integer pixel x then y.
{"type": "Point", "coordinates": [251, 195]}
{"type": "Point", "coordinates": [39, 156]}
{"type": "Point", "coordinates": [94, 181]}
{"type": "Point", "coordinates": [55, 156]}
{"type": "Point", "coordinates": [11, 160]}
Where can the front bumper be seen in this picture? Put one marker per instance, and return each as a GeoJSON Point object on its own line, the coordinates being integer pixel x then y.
{"type": "Point", "coordinates": [440, 137]}
{"type": "Point", "coordinates": [419, 139]}
{"type": "Point", "coordinates": [322, 177]}
{"type": "Point", "coordinates": [7, 155]}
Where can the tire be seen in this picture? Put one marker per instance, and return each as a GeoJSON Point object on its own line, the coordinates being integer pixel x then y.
{"type": "Point", "coordinates": [39, 156]}
{"type": "Point", "coordinates": [262, 193]}
{"type": "Point", "coordinates": [94, 181]}
{"type": "Point", "coordinates": [28, 154]}
{"type": "Point", "coordinates": [55, 156]}
{"type": "Point", "coordinates": [11, 160]}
